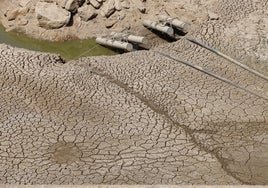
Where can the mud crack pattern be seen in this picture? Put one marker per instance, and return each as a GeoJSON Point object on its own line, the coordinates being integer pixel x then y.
{"type": "Point", "coordinates": [137, 118]}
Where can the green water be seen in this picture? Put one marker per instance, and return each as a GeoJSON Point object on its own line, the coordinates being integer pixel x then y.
{"type": "Point", "coordinates": [68, 49]}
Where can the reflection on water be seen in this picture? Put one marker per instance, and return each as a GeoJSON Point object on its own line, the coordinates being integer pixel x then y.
{"type": "Point", "coordinates": [68, 49]}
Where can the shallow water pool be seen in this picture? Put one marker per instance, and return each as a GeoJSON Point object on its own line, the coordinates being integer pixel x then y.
{"type": "Point", "coordinates": [68, 50]}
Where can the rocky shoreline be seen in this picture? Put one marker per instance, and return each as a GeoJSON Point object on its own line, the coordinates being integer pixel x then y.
{"type": "Point", "coordinates": [58, 20]}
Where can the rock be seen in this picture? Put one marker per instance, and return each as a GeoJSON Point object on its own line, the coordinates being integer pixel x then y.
{"type": "Point", "coordinates": [81, 2]}
{"type": "Point", "coordinates": [12, 14]}
{"type": "Point", "coordinates": [86, 13]}
{"type": "Point", "coordinates": [61, 3]}
{"type": "Point", "coordinates": [125, 4]}
{"type": "Point", "coordinates": [22, 22]}
{"type": "Point", "coordinates": [51, 16]}
{"type": "Point", "coordinates": [213, 16]}
{"type": "Point", "coordinates": [110, 23]}
{"type": "Point", "coordinates": [108, 9]}
{"type": "Point", "coordinates": [71, 5]}
{"type": "Point", "coordinates": [25, 3]}
{"type": "Point", "coordinates": [140, 5]}
{"type": "Point", "coordinates": [117, 5]}
{"type": "Point", "coordinates": [142, 9]}
{"type": "Point", "coordinates": [95, 3]}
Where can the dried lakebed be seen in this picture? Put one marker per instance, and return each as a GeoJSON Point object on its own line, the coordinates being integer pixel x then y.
{"type": "Point", "coordinates": [137, 118]}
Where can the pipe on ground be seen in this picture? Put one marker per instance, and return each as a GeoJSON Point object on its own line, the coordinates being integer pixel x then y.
{"type": "Point", "coordinates": [131, 38]}
{"type": "Point", "coordinates": [158, 27]}
{"type": "Point", "coordinates": [183, 26]}
{"type": "Point", "coordinates": [115, 44]}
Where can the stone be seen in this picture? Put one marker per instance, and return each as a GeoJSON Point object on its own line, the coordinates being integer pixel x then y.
{"type": "Point", "coordinates": [86, 13]}
{"type": "Point", "coordinates": [117, 5]}
{"type": "Point", "coordinates": [12, 14]}
{"type": "Point", "coordinates": [141, 8]}
{"type": "Point", "coordinates": [110, 23]}
{"type": "Point", "coordinates": [95, 3]}
{"type": "Point", "coordinates": [81, 2]}
{"type": "Point", "coordinates": [22, 22]}
{"type": "Point", "coordinates": [25, 3]}
{"type": "Point", "coordinates": [125, 4]}
{"type": "Point", "coordinates": [71, 5]}
{"type": "Point", "coordinates": [213, 16]}
{"type": "Point", "coordinates": [51, 16]}
{"type": "Point", "coordinates": [108, 9]}
{"type": "Point", "coordinates": [140, 5]}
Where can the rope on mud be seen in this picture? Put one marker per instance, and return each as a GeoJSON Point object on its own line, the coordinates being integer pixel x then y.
{"type": "Point", "coordinates": [210, 73]}
{"type": "Point", "coordinates": [228, 58]}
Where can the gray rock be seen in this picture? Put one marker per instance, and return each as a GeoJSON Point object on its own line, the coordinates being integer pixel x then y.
{"type": "Point", "coordinates": [87, 13]}
{"type": "Point", "coordinates": [51, 16]}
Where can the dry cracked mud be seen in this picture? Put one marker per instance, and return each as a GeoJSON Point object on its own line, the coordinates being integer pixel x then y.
{"type": "Point", "coordinates": [138, 118]}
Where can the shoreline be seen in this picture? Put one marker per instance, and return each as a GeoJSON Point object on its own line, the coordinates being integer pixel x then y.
{"type": "Point", "coordinates": [22, 19]}
{"type": "Point", "coordinates": [64, 48]}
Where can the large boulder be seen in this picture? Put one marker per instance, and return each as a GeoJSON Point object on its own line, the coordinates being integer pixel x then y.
{"type": "Point", "coordinates": [51, 16]}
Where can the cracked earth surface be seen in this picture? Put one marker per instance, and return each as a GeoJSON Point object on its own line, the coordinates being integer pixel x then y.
{"type": "Point", "coordinates": [138, 118]}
